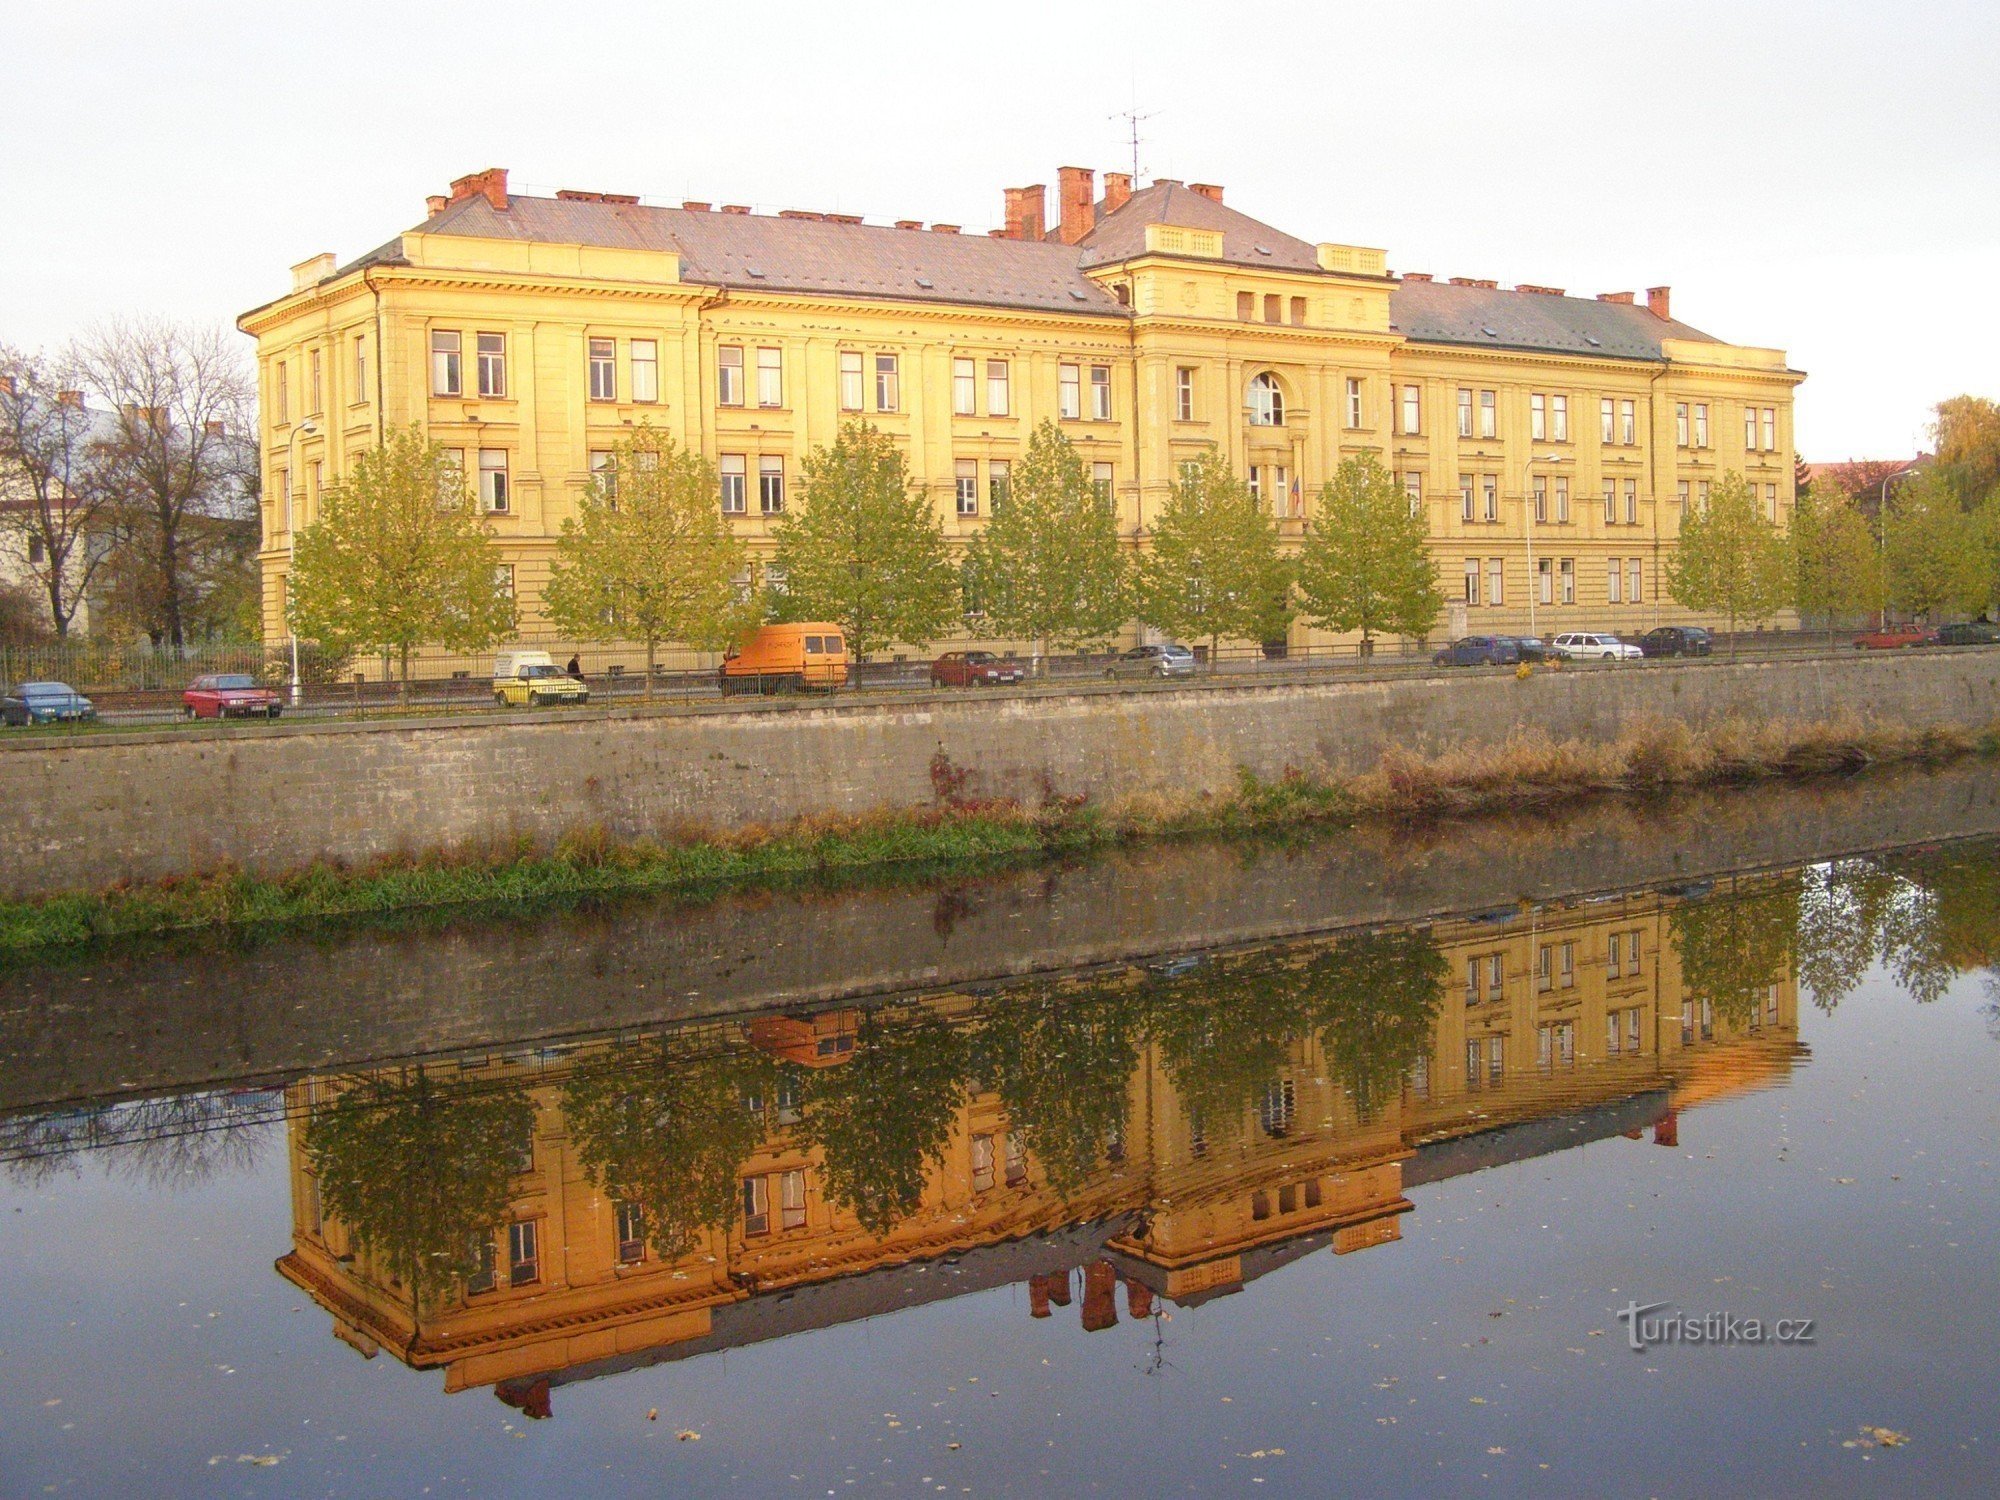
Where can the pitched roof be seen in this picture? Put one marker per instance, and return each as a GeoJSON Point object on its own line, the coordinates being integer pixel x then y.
{"type": "Point", "coordinates": [802, 255]}
{"type": "Point", "coordinates": [1121, 233]}
{"type": "Point", "coordinates": [1435, 312]}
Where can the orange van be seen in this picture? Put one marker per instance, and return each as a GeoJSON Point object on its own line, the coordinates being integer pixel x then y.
{"type": "Point", "coordinates": [786, 659]}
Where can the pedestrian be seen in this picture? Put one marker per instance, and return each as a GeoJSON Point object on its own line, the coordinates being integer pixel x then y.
{"type": "Point", "coordinates": [575, 668]}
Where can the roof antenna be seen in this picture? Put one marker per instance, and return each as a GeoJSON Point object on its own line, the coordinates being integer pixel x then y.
{"type": "Point", "coordinates": [1132, 117]}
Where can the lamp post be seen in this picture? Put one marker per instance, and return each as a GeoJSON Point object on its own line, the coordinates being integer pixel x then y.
{"type": "Point", "coordinates": [307, 428]}
{"type": "Point", "coordinates": [1528, 511]}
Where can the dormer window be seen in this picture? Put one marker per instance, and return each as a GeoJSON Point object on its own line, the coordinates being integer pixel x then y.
{"type": "Point", "coordinates": [1267, 402]}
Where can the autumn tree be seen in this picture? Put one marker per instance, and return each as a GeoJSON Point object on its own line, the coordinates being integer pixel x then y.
{"type": "Point", "coordinates": [1730, 560]}
{"type": "Point", "coordinates": [648, 555]}
{"type": "Point", "coordinates": [1047, 567]}
{"type": "Point", "coordinates": [52, 504]}
{"type": "Point", "coordinates": [1835, 567]}
{"type": "Point", "coordinates": [864, 547]}
{"type": "Point", "coordinates": [178, 462]}
{"type": "Point", "coordinates": [1966, 438]}
{"type": "Point", "coordinates": [398, 557]}
{"type": "Point", "coordinates": [1367, 563]}
{"type": "Point", "coordinates": [1936, 560]}
{"type": "Point", "coordinates": [1062, 1064]}
{"type": "Point", "coordinates": [1213, 568]}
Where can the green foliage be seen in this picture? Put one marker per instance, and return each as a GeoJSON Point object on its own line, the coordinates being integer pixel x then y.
{"type": "Point", "coordinates": [864, 547]}
{"type": "Point", "coordinates": [399, 557]}
{"type": "Point", "coordinates": [1367, 563]}
{"type": "Point", "coordinates": [648, 555]}
{"type": "Point", "coordinates": [419, 1170]}
{"type": "Point", "coordinates": [1731, 560]}
{"type": "Point", "coordinates": [1213, 567]}
{"type": "Point", "coordinates": [884, 1116]}
{"type": "Point", "coordinates": [1736, 945]}
{"type": "Point", "coordinates": [1225, 1034]}
{"type": "Point", "coordinates": [1937, 563]}
{"type": "Point", "coordinates": [1048, 566]}
{"type": "Point", "coordinates": [1062, 1064]}
{"type": "Point", "coordinates": [1835, 566]}
{"type": "Point", "coordinates": [1376, 996]}
{"type": "Point", "coordinates": [1966, 437]}
{"type": "Point", "coordinates": [664, 1125]}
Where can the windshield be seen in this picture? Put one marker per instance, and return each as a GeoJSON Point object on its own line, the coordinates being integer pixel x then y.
{"type": "Point", "coordinates": [539, 670]}
{"type": "Point", "coordinates": [234, 683]}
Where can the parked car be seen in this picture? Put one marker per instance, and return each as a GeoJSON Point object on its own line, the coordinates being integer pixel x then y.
{"type": "Point", "coordinates": [227, 695]}
{"type": "Point", "coordinates": [531, 679]}
{"type": "Point", "coordinates": [1677, 640]}
{"type": "Point", "coordinates": [786, 659]}
{"type": "Point", "coordinates": [1894, 638]}
{"type": "Point", "coordinates": [1969, 633]}
{"type": "Point", "coordinates": [974, 669]}
{"type": "Point", "coordinates": [1586, 645]}
{"type": "Point", "coordinates": [1480, 651]}
{"type": "Point", "coordinates": [1165, 660]}
{"type": "Point", "coordinates": [1532, 647]}
{"type": "Point", "coordinates": [46, 703]}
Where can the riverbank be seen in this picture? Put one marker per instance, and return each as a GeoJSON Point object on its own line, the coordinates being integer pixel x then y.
{"type": "Point", "coordinates": [964, 834]}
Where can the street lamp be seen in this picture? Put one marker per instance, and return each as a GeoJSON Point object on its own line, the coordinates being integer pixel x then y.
{"type": "Point", "coordinates": [307, 428]}
{"type": "Point", "coordinates": [1528, 511]}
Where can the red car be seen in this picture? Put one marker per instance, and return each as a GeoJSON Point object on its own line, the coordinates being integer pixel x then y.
{"type": "Point", "coordinates": [229, 695]}
{"type": "Point", "coordinates": [973, 669]}
{"type": "Point", "coordinates": [1895, 637]}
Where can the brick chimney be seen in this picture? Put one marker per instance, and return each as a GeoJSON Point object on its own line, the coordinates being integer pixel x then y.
{"type": "Point", "coordinates": [1417, 276]}
{"type": "Point", "coordinates": [1027, 212]}
{"type": "Point", "coordinates": [8, 386]}
{"type": "Point", "coordinates": [1058, 1285]}
{"type": "Point", "coordinates": [909, 223]}
{"type": "Point", "coordinates": [1208, 190]}
{"type": "Point", "coordinates": [694, 205]}
{"type": "Point", "coordinates": [1117, 191]}
{"type": "Point", "coordinates": [1539, 291]}
{"type": "Point", "coordinates": [1038, 1296]}
{"type": "Point", "coordinates": [1077, 199]}
{"type": "Point", "coordinates": [1658, 300]}
{"type": "Point", "coordinates": [1623, 299]}
{"type": "Point", "coordinates": [490, 184]}
{"type": "Point", "coordinates": [1667, 1129]}
{"type": "Point", "coordinates": [736, 208]}
{"type": "Point", "coordinates": [944, 229]}
{"type": "Point", "coordinates": [1100, 1303]}
{"type": "Point", "coordinates": [70, 398]}
{"type": "Point", "coordinates": [212, 429]}
{"type": "Point", "coordinates": [1138, 1299]}
{"type": "Point", "coordinates": [436, 204]}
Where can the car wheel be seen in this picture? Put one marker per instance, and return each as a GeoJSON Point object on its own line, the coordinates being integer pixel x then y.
{"type": "Point", "coordinates": [1110, 674]}
{"type": "Point", "coordinates": [935, 682]}
{"type": "Point", "coordinates": [273, 711]}
{"type": "Point", "coordinates": [500, 700]}
{"type": "Point", "coordinates": [187, 710]}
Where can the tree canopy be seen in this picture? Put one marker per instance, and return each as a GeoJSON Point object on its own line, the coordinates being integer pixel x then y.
{"type": "Point", "coordinates": [1937, 560]}
{"type": "Point", "coordinates": [1730, 560]}
{"type": "Point", "coordinates": [1967, 438]}
{"type": "Point", "coordinates": [1367, 563]}
{"type": "Point", "coordinates": [1213, 568]}
{"type": "Point", "coordinates": [1836, 568]}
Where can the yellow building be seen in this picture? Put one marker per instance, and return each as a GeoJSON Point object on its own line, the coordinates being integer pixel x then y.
{"type": "Point", "coordinates": [1554, 442]}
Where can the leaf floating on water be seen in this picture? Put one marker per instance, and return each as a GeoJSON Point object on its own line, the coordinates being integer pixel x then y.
{"type": "Point", "coordinates": [688, 1435]}
{"type": "Point", "coordinates": [652, 1414]}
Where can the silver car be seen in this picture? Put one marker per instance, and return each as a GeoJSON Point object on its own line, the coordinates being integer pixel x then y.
{"type": "Point", "coordinates": [1166, 660]}
{"type": "Point", "coordinates": [1586, 645]}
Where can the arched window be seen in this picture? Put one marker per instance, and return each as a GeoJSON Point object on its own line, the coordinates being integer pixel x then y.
{"type": "Point", "coordinates": [1267, 402]}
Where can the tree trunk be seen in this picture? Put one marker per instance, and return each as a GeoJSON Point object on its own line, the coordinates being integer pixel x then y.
{"type": "Point", "coordinates": [652, 647]}
{"type": "Point", "coordinates": [405, 690]}
{"type": "Point", "coordinates": [170, 585]}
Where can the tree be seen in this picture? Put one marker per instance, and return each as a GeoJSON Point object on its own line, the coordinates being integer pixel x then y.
{"type": "Point", "coordinates": [177, 464]}
{"type": "Point", "coordinates": [648, 554]}
{"type": "Point", "coordinates": [398, 557]}
{"type": "Point", "coordinates": [1835, 567]}
{"type": "Point", "coordinates": [1367, 563]}
{"type": "Point", "coordinates": [1048, 568]}
{"type": "Point", "coordinates": [1936, 562]}
{"type": "Point", "coordinates": [1730, 560]}
{"type": "Point", "coordinates": [1213, 567]}
{"type": "Point", "coordinates": [1966, 436]}
{"type": "Point", "coordinates": [1376, 999]}
{"type": "Point", "coordinates": [1735, 945]}
{"type": "Point", "coordinates": [1062, 1064]}
{"type": "Point", "coordinates": [52, 505]}
{"type": "Point", "coordinates": [864, 548]}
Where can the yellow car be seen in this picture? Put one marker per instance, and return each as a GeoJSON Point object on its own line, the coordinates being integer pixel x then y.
{"type": "Point", "coordinates": [528, 679]}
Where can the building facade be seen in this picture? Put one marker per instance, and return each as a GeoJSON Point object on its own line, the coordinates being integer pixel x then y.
{"type": "Point", "coordinates": [1553, 442]}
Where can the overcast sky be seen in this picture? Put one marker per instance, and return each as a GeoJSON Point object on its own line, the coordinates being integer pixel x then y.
{"type": "Point", "coordinates": [1818, 176]}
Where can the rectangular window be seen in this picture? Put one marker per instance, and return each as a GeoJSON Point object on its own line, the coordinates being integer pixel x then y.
{"type": "Point", "coordinates": [1701, 424]}
{"type": "Point", "coordinates": [756, 1206]}
{"type": "Point", "coordinates": [491, 351]}
{"type": "Point", "coordinates": [1634, 570]}
{"type": "Point", "coordinates": [493, 479]}
{"type": "Point", "coordinates": [1614, 574]}
{"type": "Point", "coordinates": [1465, 500]}
{"type": "Point", "coordinates": [504, 576]}
{"type": "Point", "coordinates": [645, 370]}
{"type": "Point", "coordinates": [1465, 413]}
{"type": "Point", "coordinates": [1017, 1160]}
{"type": "Point", "coordinates": [1489, 485]}
{"type": "Point", "coordinates": [998, 403]}
{"type": "Point", "coordinates": [792, 1199]}
{"type": "Point", "coordinates": [1771, 502]}
{"type": "Point", "coordinates": [603, 357]}
{"type": "Point", "coordinates": [770, 377]}
{"type": "Point", "coordinates": [1611, 1032]}
{"type": "Point", "coordinates": [1631, 502]}
{"type": "Point", "coordinates": [1100, 480]}
{"type": "Point", "coordinates": [850, 380]}
{"type": "Point", "coordinates": [1558, 419]}
{"type": "Point", "coordinates": [1413, 410]}
{"type": "Point", "coordinates": [1472, 981]}
{"type": "Point", "coordinates": [604, 474]}
{"type": "Point", "coordinates": [313, 381]}
{"type": "Point", "coordinates": [729, 375]}
{"type": "Point", "coordinates": [446, 377]}
{"type": "Point", "coordinates": [1562, 500]}
{"type": "Point", "coordinates": [1489, 414]}
{"type": "Point", "coordinates": [964, 387]}
{"type": "Point", "coordinates": [1567, 571]}
{"type": "Point", "coordinates": [1298, 310]}
{"type": "Point", "coordinates": [1614, 953]}
{"type": "Point", "coordinates": [733, 484]}
{"type": "Point", "coordinates": [1607, 419]}
{"type": "Point", "coordinates": [1474, 1061]}
{"type": "Point", "coordinates": [629, 1221]}
{"type": "Point", "coordinates": [999, 472]}
{"type": "Point", "coordinates": [771, 484]}
{"type": "Point", "coordinates": [1496, 975]}
{"type": "Point", "coordinates": [1273, 311]}
{"type": "Point", "coordinates": [1681, 493]}
{"type": "Point", "coordinates": [1538, 417]}
{"type": "Point", "coordinates": [284, 490]}
{"type": "Point", "coordinates": [1496, 588]}
{"type": "Point", "coordinates": [1749, 429]}
{"type": "Point", "coordinates": [1069, 392]}
{"type": "Point", "coordinates": [1628, 424]}
{"type": "Point", "coordinates": [1568, 967]}
{"type": "Point", "coordinates": [1770, 429]}
{"type": "Point", "coordinates": [1413, 490]}
{"type": "Point", "coordinates": [1545, 581]}
{"type": "Point", "coordinates": [1496, 1059]}
{"type": "Point", "coordinates": [1100, 393]}
{"type": "Point", "coordinates": [360, 369]}
{"type": "Point", "coordinates": [1701, 496]}
{"type": "Point", "coordinates": [1545, 959]}
{"type": "Point", "coordinates": [1353, 402]}
{"type": "Point", "coordinates": [1632, 1018]}
{"type": "Point", "coordinates": [1681, 425]}
{"type": "Point", "coordinates": [888, 393]}
{"type": "Point", "coordinates": [524, 1252]}
{"type": "Point", "coordinates": [1472, 580]}
{"type": "Point", "coordinates": [1184, 394]}
{"type": "Point", "coordinates": [982, 1163]}
{"type": "Point", "coordinates": [1246, 306]}
{"type": "Point", "coordinates": [1541, 499]}
{"type": "Point", "coordinates": [966, 481]}
{"type": "Point", "coordinates": [482, 1276]}
{"type": "Point", "coordinates": [1610, 502]}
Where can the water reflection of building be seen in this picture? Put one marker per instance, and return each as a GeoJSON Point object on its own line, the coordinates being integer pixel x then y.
{"type": "Point", "coordinates": [1554, 1026]}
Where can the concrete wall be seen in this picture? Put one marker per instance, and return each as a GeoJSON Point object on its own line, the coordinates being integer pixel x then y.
{"type": "Point", "coordinates": [84, 813]}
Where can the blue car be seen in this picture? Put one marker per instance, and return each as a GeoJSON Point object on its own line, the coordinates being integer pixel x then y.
{"type": "Point", "coordinates": [46, 703]}
{"type": "Point", "coordinates": [1480, 651]}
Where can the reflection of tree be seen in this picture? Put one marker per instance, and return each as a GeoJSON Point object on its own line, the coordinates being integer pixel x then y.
{"type": "Point", "coordinates": [1062, 1065]}
{"type": "Point", "coordinates": [664, 1125]}
{"type": "Point", "coordinates": [883, 1116]}
{"type": "Point", "coordinates": [186, 1140]}
{"type": "Point", "coordinates": [420, 1170]}
{"type": "Point", "coordinates": [1377, 997]}
{"type": "Point", "coordinates": [1956, 923]}
{"type": "Point", "coordinates": [1736, 945]}
{"type": "Point", "coordinates": [1840, 921]}
{"type": "Point", "coordinates": [1225, 1033]}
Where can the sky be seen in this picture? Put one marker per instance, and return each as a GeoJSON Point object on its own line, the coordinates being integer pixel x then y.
{"type": "Point", "coordinates": [1811, 175]}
